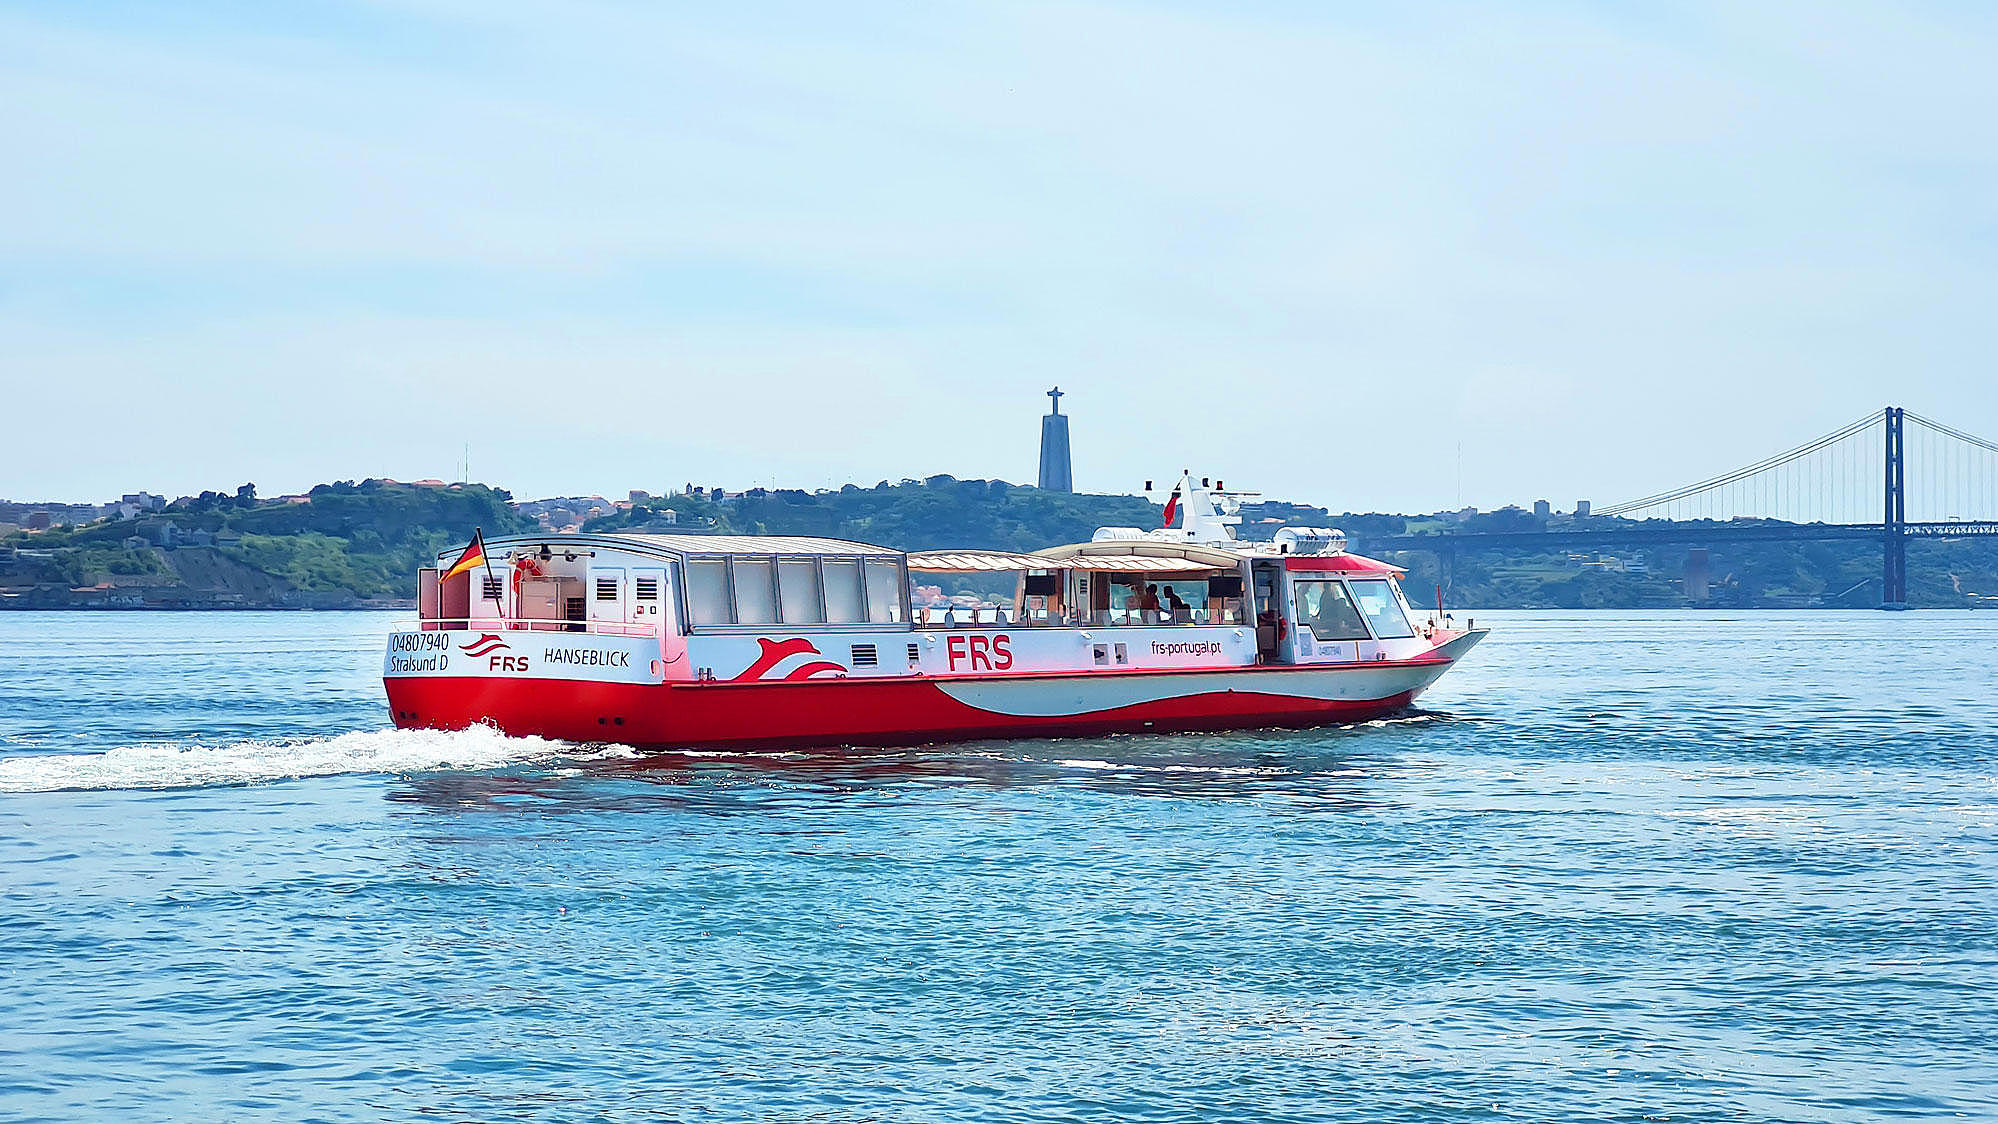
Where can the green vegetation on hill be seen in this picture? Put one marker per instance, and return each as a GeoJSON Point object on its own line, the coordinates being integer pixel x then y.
{"type": "Point", "coordinates": [368, 538]}
{"type": "Point", "coordinates": [931, 514]}
{"type": "Point", "coordinates": [91, 565]}
{"type": "Point", "coordinates": [344, 540]}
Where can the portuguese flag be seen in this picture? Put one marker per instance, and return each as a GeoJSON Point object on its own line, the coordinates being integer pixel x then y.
{"type": "Point", "coordinates": [474, 556]}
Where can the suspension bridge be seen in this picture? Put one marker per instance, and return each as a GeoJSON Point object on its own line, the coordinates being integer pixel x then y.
{"type": "Point", "coordinates": [1889, 476]}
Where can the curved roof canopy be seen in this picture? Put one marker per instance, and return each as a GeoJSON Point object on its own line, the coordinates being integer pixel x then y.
{"type": "Point", "coordinates": [1138, 557]}
{"type": "Point", "coordinates": [963, 561]}
{"type": "Point", "coordinates": [757, 544]}
{"type": "Point", "coordinates": [1138, 563]}
{"type": "Point", "coordinates": [1102, 555]}
{"type": "Point", "coordinates": [700, 544]}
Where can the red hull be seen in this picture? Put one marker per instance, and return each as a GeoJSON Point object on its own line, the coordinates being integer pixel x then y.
{"type": "Point", "coordinates": [860, 712]}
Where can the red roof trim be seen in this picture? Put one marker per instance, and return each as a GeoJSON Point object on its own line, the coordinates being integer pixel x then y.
{"type": "Point", "coordinates": [1340, 563]}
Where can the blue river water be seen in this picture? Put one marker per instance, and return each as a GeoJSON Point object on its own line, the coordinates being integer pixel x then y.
{"type": "Point", "coordinates": [1619, 867]}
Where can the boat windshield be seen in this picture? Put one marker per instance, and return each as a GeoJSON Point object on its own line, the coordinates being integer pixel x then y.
{"type": "Point", "coordinates": [1383, 609]}
{"type": "Point", "coordinates": [1324, 608]}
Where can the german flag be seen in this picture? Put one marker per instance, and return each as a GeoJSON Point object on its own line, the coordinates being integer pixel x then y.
{"type": "Point", "coordinates": [474, 556]}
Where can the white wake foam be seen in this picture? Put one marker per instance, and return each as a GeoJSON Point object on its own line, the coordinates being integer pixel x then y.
{"type": "Point", "coordinates": [160, 765]}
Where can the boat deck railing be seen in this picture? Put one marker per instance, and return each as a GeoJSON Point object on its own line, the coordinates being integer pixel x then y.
{"type": "Point", "coordinates": [959, 617]}
{"type": "Point", "coordinates": [527, 624]}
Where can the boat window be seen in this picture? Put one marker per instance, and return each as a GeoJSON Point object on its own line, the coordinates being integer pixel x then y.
{"type": "Point", "coordinates": [1325, 609]}
{"type": "Point", "coordinates": [1128, 600]}
{"type": "Point", "coordinates": [845, 601]}
{"type": "Point", "coordinates": [884, 591]}
{"type": "Point", "coordinates": [707, 591]}
{"type": "Point", "coordinates": [798, 589]}
{"type": "Point", "coordinates": [1224, 599]}
{"type": "Point", "coordinates": [755, 591]}
{"type": "Point", "coordinates": [1377, 601]}
{"type": "Point", "coordinates": [1040, 599]}
{"type": "Point", "coordinates": [1183, 601]}
{"type": "Point", "coordinates": [1155, 599]}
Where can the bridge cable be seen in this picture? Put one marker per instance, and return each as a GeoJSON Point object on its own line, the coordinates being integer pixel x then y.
{"type": "Point", "coordinates": [1763, 465]}
{"type": "Point", "coordinates": [1951, 431]}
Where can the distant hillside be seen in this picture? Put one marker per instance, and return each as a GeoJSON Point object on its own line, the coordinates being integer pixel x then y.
{"type": "Point", "coordinates": [1769, 575]}
{"type": "Point", "coordinates": [939, 512]}
{"type": "Point", "coordinates": [341, 544]}
{"type": "Point", "coordinates": [352, 543]}
{"type": "Point", "coordinates": [349, 544]}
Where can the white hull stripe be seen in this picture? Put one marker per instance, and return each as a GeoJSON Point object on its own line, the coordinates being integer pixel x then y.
{"type": "Point", "coordinates": [1059, 698]}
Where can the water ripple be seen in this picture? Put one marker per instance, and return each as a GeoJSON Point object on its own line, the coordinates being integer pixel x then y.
{"type": "Point", "coordinates": [1672, 867]}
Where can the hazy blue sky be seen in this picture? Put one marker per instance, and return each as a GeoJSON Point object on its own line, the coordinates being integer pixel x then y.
{"type": "Point", "coordinates": [1309, 248]}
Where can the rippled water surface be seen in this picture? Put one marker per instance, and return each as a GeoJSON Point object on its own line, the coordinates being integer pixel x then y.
{"type": "Point", "coordinates": [1677, 866]}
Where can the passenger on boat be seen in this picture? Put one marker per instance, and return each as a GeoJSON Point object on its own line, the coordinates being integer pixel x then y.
{"type": "Point", "coordinates": [1131, 612]}
{"type": "Point", "coordinates": [1148, 605]}
{"type": "Point", "coordinates": [1176, 610]}
{"type": "Point", "coordinates": [1336, 618]}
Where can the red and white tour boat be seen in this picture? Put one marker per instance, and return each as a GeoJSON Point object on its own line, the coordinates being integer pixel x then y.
{"type": "Point", "coordinates": [683, 640]}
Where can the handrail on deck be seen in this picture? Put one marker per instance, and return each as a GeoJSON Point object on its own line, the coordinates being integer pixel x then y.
{"type": "Point", "coordinates": [529, 624]}
{"type": "Point", "coordinates": [1100, 618]}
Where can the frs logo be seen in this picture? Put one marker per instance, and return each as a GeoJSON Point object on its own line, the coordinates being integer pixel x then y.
{"type": "Point", "coordinates": [484, 645]}
{"type": "Point", "coordinates": [488, 646]}
{"type": "Point", "coordinates": [980, 653]}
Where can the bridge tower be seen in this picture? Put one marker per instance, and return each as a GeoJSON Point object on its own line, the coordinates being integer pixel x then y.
{"type": "Point", "coordinates": [1894, 523]}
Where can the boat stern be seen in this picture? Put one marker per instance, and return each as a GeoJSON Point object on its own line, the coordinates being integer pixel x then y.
{"type": "Point", "coordinates": [554, 683]}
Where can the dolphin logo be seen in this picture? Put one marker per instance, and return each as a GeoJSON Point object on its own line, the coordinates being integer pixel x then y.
{"type": "Point", "coordinates": [777, 651]}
